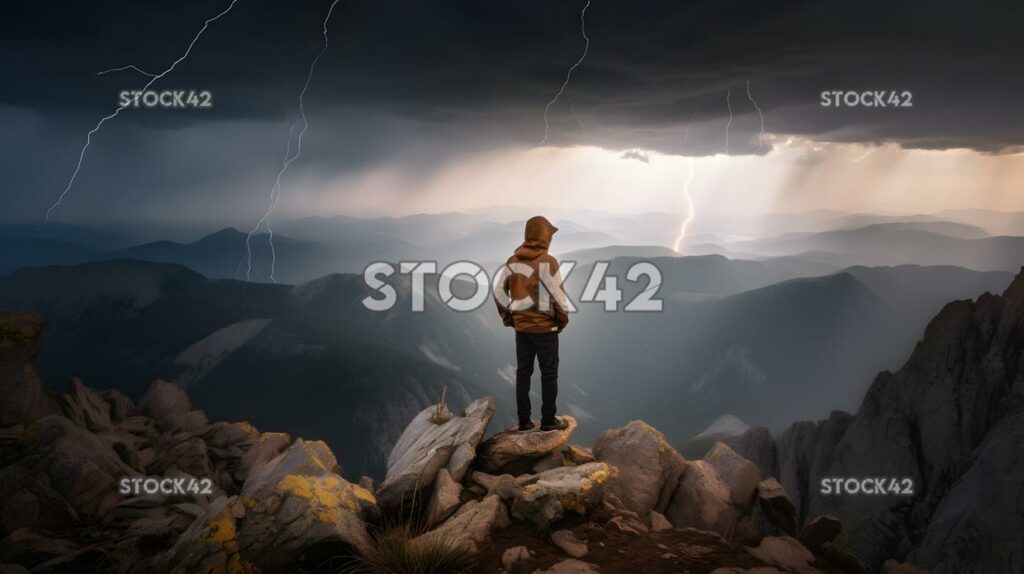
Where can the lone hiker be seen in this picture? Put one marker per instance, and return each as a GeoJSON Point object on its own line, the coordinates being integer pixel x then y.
{"type": "Point", "coordinates": [538, 315]}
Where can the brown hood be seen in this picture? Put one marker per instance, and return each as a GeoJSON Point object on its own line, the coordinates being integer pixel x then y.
{"type": "Point", "coordinates": [537, 237]}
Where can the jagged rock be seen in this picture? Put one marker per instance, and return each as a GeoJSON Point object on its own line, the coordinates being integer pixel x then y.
{"type": "Point", "coordinates": [267, 447]}
{"type": "Point", "coordinates": [210, 544]}
{"type": "Point", "coordinates": [183, 421]}
{"type": "Point", "coordinates": [513, 555]}
{"type": "Point", "coordinates": [224, 435]}
{"type": "Point", "coordinates": [181, 453]}
{"type": "Point", "coordinates": [701, 500]}
{"type": "Point", "coordinates": [570, 566]}
{"type": "Point", "coordinates": [627, 524]}
{"type": "Point", "coordinates": [569, 544]}
{"type": "Point", "coordinates": [80, 466]}
{"type": "Point", "coordinates": [786, 553]}
{"type": "Point", "coordinates": [85, 407]}
{"type": "Point", "coordinates": [21, 339]}
{"type": "Point", "coordinates": [296, 502]}
{"type": "Point", "coordinates": [548, 496]}
{"type": "Point", "coordinates": [512, 451]}
{"type": "Point", "coordinates": [819, 530]}
{"type": "Point", "coordinates": [27, 501]}
{"type": "Point", "coordinates": [121, 407]}
{"type": "Point", "coordinates": [162, 399]}
{"type": "Point", "coordinates": [563, 455]}
{"type": "Point", "coordinates": [648, 467]}
{"type": "Point", "coordinates": [659, 523]}
{"type": "Point", "coordinates": [756, 445]}
{"type": "Point", "coordinates": [425, 447]}
{"type": "Point", "coordinates": [45, 554]}
{"type": "Point", "coordinates": [777, 505]}
{"type": "Point", "coordinates": [470, 527]}
{"type": "Point", "coordinates": [445, 498]}
{"type": "Point", "coordinates": [739, 474]}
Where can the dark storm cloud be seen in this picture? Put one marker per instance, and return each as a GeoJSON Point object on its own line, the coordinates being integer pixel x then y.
{"type": "Point", "coordinates": [420, 80]}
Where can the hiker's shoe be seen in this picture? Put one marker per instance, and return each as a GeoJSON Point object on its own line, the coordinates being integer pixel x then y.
{"type": "Point", "coordinates": [523, 427]}
{"type": "Point", "coordinates": [557, 424]}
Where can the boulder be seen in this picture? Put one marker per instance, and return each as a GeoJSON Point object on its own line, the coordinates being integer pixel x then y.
{"type": "Point", "coordinates": [819, 530]}
{"type": "Point", "coordinates": [550, 495]}
{"type": "Point", "coordinates": [428, 445]}
{"type": "Point", "coordinates": [777, 506]}
{"type": "Point", "coordinates": [121, 407]}
{"type": "Point", "coordinates": [470, 527]}
{"type": "Point", "coordinates": [21, 339]}
{"type": "Point", "coordinates": [739, 474]}
{"type": "Point", "coordinates": [757, 446]}
{"type": "Point", "coordinates": [296, 502]}
{"type": "Point", "coordinates": [569, 544]}
{"type": "Point", "coordinates": [786, 553]}
{"type": "Point", "coordinates": [210, 544]}
{"type": "Point", "coordinates": [659, 523]}
{"type": "Point", "coordinates": [162, 399]}
{"type": "Point", "coordinates": [85, 407]}
{"type": "Point", "coordinates": [701, 500]}
{"type": "Point", "coordinates": [564, 455]}
{"type": "Point", "coordinates": [80, 466]}
{"type": "Point", "coordinates": [514, 555]}
{"type": "Point", "coordinates": [513, 451]}
{"type": "Point", "coordinates": [267, 447]}
{"type": "Point", "coordinates": [445, 498]}
{"type": "Point", "coordinates": [570, 566]}
{"type": "Point", "coordinates": [27, 501]}
{"type": "Point", "coordinates": [648, 467]}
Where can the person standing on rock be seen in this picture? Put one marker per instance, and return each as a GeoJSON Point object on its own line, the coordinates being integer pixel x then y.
{"type": "Point", "coordinates": [530, 299]}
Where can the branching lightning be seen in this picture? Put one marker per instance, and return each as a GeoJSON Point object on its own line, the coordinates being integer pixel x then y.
{"type": "Point", "coordinates": [690, 210]}
{"type": "Point", "coordinates": [275, 192]}
{"type": "Point", "coordinates": [105, 119]}
{"type": "Point", "coordinates": [568, 75]}
{"type": "Point", "coordinates": [760, 137]}
{"type": "Point", "coordinates": [728, 94]}
{"type": "Point", "coordinates": [128, 67]}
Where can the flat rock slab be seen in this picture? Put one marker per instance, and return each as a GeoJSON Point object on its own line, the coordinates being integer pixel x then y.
{"type": "Point", "coordinates": [511, 445]}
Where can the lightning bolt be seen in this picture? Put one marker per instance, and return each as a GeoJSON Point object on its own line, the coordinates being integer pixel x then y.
{"type": "Point", "coordinates": [568, 75]}
{"type": "Point", "coordinates": [128, 67]}
{"type": "Point", "coordinates": [728, 93]}
{"type": "Point", "coordinates": [576, 117]}
{"type": "Point", "coordinates": [105, 119]}
{"type": "Point", "coordinates": [690, 210]}
{"type": "Point", "coordinates": [760, 137]}
{"type": "Point", "coordinates": [275, 192]}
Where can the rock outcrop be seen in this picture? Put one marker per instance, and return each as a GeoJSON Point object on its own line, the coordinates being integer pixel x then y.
{"type": "Point", "coordinates": [435, 439]}
{"type": "Point", "coordinates": [515, 452]}
{"type": "Point", "coordinates": [21, 338]}
{"type": "Point", "coordinates": [946, 427]}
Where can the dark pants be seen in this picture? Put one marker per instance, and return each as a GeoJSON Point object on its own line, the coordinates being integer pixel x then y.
{"type": "Point", "coordinates": [543, 347]}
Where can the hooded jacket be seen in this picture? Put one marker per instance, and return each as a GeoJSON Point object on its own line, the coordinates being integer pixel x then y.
{"type": "Point", "coordinates": [518, 286]}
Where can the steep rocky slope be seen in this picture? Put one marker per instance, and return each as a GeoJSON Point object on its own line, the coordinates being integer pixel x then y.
{"type": "Point", "coordinates": [951, 421]}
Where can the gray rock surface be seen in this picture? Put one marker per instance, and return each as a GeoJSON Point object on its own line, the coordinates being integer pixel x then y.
{"type": "Point", "coordinates": [569, 544]}
{"type": "Point", "coordinates": [444, 499]}
{"type": "Point", "coordinates": [701, 500]}
{"type": "Point", "coordinates": [786, 553]}
{"type": "Point", "coordinates": [777, 506]}
{"type": "Point", "coordinates": [501, 452]}
{"type": "Point", "coordinates": [470, 527]}
{"type": "Point", "coordinates": [426, 447]}
{"type": "Point", "coordinates": [739, 474]}
{"type": "Point", "coordinates": [550, 495]}
{"type": "Point", "coordinates": [648, 467]}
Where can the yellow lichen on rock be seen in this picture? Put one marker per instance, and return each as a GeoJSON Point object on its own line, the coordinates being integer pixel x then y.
{"type": "Point", "coordinates": [222, 528]}
{"type": "Point", "coordinates": [363, 494]}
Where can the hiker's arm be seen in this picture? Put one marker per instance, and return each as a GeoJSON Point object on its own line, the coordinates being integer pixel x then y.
{"type": "Point", "coordinates": [560, 301]}
{"type": "Point", "coordinates": [503, 310]}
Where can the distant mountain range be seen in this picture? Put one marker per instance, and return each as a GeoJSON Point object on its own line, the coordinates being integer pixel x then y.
{"type": "Point", "coordinates": [757, 343]}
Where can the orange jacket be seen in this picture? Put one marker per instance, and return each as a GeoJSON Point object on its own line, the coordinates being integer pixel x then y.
{"type": "Point", "coordinates": [517, 286]}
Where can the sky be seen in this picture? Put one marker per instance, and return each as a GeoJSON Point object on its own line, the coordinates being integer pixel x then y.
{"type": "Point", "coordinates": [439, 106]}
